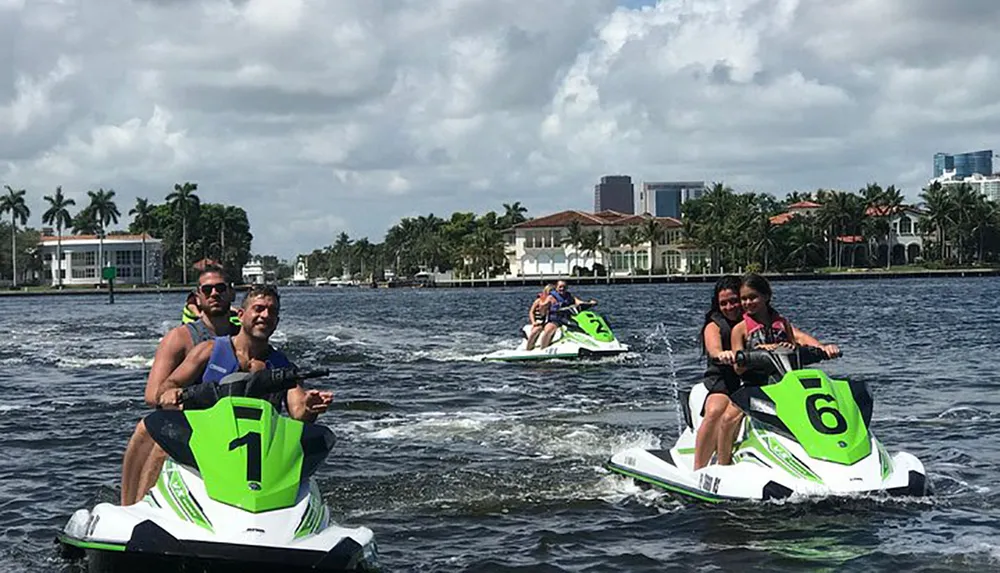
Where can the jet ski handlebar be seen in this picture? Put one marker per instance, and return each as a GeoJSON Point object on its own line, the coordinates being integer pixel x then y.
{"type": "Point", "coordinates": [257, 384]}
{"type": "Point", "coordinates": [764, 359]}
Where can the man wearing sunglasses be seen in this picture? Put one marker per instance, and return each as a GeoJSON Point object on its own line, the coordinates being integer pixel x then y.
{"type": "Point", "coordinates": [559, 298]}
{"type": "Point", "coordinates": [214, 298]}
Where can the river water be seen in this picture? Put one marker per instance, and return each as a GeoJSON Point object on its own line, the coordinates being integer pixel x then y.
{"type": "Point", "coordinates": [460, 465]}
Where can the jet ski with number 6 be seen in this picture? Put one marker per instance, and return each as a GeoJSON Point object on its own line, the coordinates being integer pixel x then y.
{"type": "Point", "coordinates": [582, 334]}
{"type": "Point", "coordinates": [803, 434]}
{"type": "Point", "coordinates": [235, 494]}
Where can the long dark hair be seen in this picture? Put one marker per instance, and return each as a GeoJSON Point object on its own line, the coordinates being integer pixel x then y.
{"type": "Point", "coordinates": [727, 282]}
{"type": "Point", "coordinates": [761, 285]}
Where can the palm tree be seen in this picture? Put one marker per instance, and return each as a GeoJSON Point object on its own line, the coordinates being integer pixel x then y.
{"type": "Point", "coordinates": [142, 215]}
{"type": "Point", "coordinates": [363, 249]}
{"type": "Point", "coordinates": [651, 232]}
{"type": "Point", "coordinates": [183, 201]}
{"type": "Point", "coordinates": [592, 243]}
{"type": "Point", "coordinates": [513, 214]}
{"type": "Point", "coordinates": [58, 215]}
{"type": "Point", "coordinates": [230, 216]}
{"type": "Point", "coordinates": [342, 252]}
{"type": "Point", "coordinates": [574, 237]}
{"type": "Point", "coordinates": [105, 211]}
{"type": "Point", "coordinates": [764, 237]}
{"type": "Point", "coordinates": [13, 202]}
{"type": "Point", "coordinates": [939, 210]}
{"type": "Point", "coordinates": [631, 236]}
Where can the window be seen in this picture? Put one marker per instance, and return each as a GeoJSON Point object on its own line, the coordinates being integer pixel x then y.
{"type": "Point", "coordinates": [125, 272]}
{"type": "Point", "coordinates": [84, 259]}
{"type": "Point", "coordinates": [84, 273]}
{"type": "Point", "coordinates": [905, 225]}
{"type": "Point", "coordinates": [123, 258]}
{"type": "Point", "coordinates": [671, 261]}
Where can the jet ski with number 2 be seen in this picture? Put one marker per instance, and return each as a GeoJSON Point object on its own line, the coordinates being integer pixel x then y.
{"type": "Point", "coordinates": [585, 334]}
{"type": "Point", "coordinates": [803, 434]}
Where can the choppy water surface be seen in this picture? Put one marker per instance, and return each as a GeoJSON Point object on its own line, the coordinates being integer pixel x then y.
{"type": "Point", "coordinates": [459, 465]}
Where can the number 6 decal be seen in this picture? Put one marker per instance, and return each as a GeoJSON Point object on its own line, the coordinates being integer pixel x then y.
{"type": "Point", "coordinates": [816, 415]}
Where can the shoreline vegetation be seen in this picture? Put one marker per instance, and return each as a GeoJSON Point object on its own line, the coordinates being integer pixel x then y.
{"type": "Point", "coordinates": [831, 275]}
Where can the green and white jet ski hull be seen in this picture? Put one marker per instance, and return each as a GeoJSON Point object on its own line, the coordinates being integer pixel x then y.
{"type": "Point", "coordinates": [565, 345]}
{"type": "Point", "coordinates": [236, 492]}
{"type": "Point", "coordinates": [586, 335]}
{"type": "Point", "coordinates": [177, 520]}
{"type": "Point", "coordinates": [768, 463]}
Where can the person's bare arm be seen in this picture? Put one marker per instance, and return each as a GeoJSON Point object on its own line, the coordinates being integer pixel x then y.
{"type": "Point", "coordinates": [531, 311]}
{"type": "Point", "coordinates": [189, 371]}
{"type": "Point", "coordinates": [713, 344]}
{"type": "Point", "coordinates": [169, 355]}
{"type": "Point", "coordinates": [804, 338]}
{"type": "Point", "coordinates": [736, 343]}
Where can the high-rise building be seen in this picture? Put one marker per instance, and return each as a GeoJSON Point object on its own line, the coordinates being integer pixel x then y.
{"type": "Point", "coordinates": [615, 193]}
{"type": "Point", "coordinates": [964, 164]}
{"type": "Point", "coordinates": [664, 198]}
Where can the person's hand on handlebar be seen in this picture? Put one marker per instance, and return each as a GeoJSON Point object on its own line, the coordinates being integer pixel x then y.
{"type": "Point", "coordinates": [171, 399]}
{"type": "Point", "coordinates": [831, 350]}
{"type": "Point", "coordinates": [727, 357]}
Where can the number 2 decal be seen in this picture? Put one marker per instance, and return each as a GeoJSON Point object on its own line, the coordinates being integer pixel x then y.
{"type": "Point", "coordinates": [251, 440]}
{"type": "Point", "coordinates": [600, 329]}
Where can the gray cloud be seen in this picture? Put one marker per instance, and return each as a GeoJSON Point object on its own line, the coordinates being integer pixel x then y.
{"type": "Point", "coordinates": [319, 116]}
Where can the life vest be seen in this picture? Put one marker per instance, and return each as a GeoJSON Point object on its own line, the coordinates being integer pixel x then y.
{"type": "Point", "coordinates": [713, 370]}
{"type": "Point", "coordinates": [223, 362]}
{"type": "Point", "coordinates": [200, 332]}
{"type": "Point", "coordinates": [780, 330]}
{"type": "Point", "coordinates": [188, 315]}
{"type": "Point", "coordinates": [561, 301]}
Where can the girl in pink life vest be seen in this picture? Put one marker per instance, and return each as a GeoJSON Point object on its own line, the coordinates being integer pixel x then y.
{"type": "Point", "coordinates": [762, 328]}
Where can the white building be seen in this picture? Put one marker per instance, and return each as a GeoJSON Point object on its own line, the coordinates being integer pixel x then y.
{"type": "Point", "coordinates": [988, 185]}
{"type": "Point", "coordinates": [905, 242]}
{"type": "Point", "coordinates": [538, 247]}
{"type": "Point", "coordinates": [300, 275]}
{"type": "Point", "coordinates": [254, 273]}
{"type": "Point", "coordinates": [80, 259]}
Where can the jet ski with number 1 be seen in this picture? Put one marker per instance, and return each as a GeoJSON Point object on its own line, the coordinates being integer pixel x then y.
{"type": "Point", "coordinates": [236, 493]}
{"type": "Point", "coordinates": [583, 334]}
{"type": "Point", "coordinates": [803, 434]}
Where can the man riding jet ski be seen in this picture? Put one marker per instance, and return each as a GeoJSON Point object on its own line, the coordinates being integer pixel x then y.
{"type": "Point", "coordinates": [572, 331]}
{"type": "Point", "coordinates": [236, 488]}
{"type": "Point", "coordinates": [803, 433]}
{"type": "Point", "coordinates": [236, 491]}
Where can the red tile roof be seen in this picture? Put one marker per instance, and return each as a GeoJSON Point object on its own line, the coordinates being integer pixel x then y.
{"type": "Point", "coordinates": [603, 218]}
{"type": "Point", "coordinates": [70, 238]}
{"type": "Point", "coordinates": [804, 205]}
{"type": "Point", "coordinates": [782, 218]}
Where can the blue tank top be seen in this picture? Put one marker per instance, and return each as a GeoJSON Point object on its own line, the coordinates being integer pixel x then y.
{"type": "Point", "coordinates": [223, 362]}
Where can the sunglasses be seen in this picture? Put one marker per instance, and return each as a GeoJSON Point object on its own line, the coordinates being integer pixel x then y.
{"type": "Point", "coordinates": [207, 289]}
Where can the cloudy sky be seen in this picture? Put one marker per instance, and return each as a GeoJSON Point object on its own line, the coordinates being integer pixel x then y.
{"type": "Point", "coordinates": [322, 116]}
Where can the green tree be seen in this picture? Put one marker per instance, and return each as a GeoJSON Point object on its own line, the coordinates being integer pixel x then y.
{"type": "Point", "coordinates": [142, 221]}
{"type": "Point", "coordinates": [58, 214]}
{"type": "Point", "coordinates": [185, 203]}
{"type": "Point", "coordinates": [13, 203]}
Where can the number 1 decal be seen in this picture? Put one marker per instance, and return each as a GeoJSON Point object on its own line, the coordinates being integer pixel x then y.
{"type": "Point", "coordinates": [251, 440]}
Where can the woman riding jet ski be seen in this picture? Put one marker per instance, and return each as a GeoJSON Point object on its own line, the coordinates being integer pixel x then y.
{"type": "Point", "coordinates": [802, 432]}
{"type": "Point", "coordinates": [236, 491]}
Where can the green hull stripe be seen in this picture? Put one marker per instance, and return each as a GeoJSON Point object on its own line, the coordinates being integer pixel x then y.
{"type": "Point", "coordinates": [90, 544]}
{"type": "Point", "coordinates": [703, 496]}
